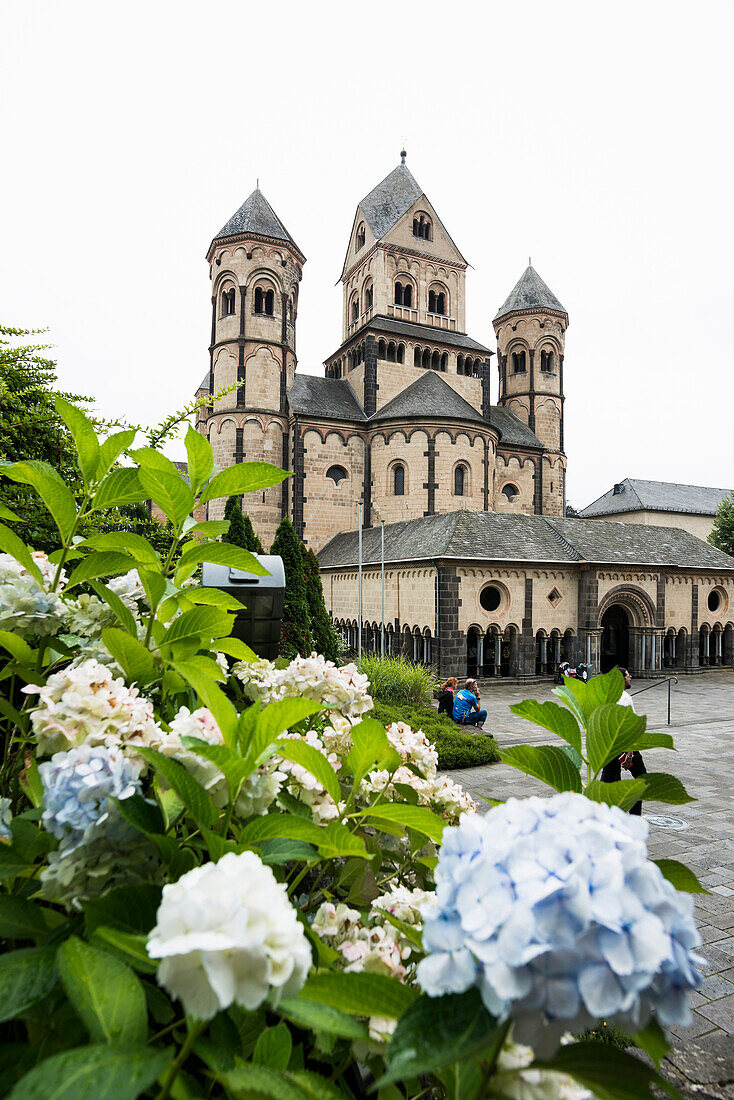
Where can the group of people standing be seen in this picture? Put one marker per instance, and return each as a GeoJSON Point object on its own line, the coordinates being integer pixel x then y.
{"type": "Point", "coordinates": [462, 705]}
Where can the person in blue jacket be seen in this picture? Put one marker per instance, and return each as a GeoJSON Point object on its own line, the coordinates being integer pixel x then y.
{"type": "Point", "coordinates": [466, 706]}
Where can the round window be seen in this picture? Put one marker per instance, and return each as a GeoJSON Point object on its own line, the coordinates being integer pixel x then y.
{"type": "Point", "coordinates": [714, 600]}
{"type": "Point", "coordinates": [490, 598]}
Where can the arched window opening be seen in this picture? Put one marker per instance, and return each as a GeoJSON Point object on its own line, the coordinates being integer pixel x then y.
{"type": "Point", "coordinates": [391, 352]}
{"type": "Point", "coordinates": [354, 309]}
{"type": "Point", "coordinates": [228, 298]}
{"type": "Point", "coordinates": [408, 295]}
{"type": "Point", "coordinates": [431, 301]}
{"type": "Point", "coordinates": [401, 353]}
{"type": "Point", "coordinates": [510, 491]}
{"type": "Point", "coordinates": [436, 360]}
{"type": "Point", "coordinates": [264, 301]}
{"type": "Point", "coordinates": [445, 361]}
{"type": "Point", "coordinates": [546, 361]}
{"type": "Point", "coordinates": [518, 362]}
{"type": "Point", "coordinates": [460, 365]}
{"type": "Point", "coordinates": [368, 297]}
{"type": "Point", "coordinates": [459, 481]}
{"type": "Point", "coordinates": [441, 303]}
{"type": "Point", "coordinates": [422, 227]}
{"type": "Point", "coordinates": [416, 357]}
{"type": "Point", "coordinates": [337, 474]}
{"type": "Point", "coordinates": [426, 360]}
{"type": "Point", "coordinates": [398, 294]}
{"type": "Point", "coordinates": [399, 480]}
{"type": "Point", "coordinates": [269, 302]}
{"type": "Point", "coordinates": [381, 349]}
{"type": "Point", "coordinates": [360, 237]}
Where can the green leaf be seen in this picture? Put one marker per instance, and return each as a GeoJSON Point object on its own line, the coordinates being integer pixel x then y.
{"type": "Point", "coordinates": [8, 514]}
{"type": "Point", "coordinates": [360, 994]}
{"type": "Point", "coordinates": [135, 545]}
{"type": "Point", "coordinates": [316, 1087]}
{"type": "Point", "coordinates": [129, 908]}
{"type": "Point", "coordinates": [100, 563]}
{"type": "Point", "coordinates": [144, 815]}
{"type": "Point", "coordinates": [131, 655]}
{"type": "Point", "coordinates": [370, 750]}
{"type": "Point", "coordinates": [128, 947]}
{"type": "Point", "coordinates": [623, 793]}
{"type": "Point", "coordinates": [435, 1031]}
{"type": "Point", "coordinates": [11, 544]}
{"type": "Point", "coordinates": [653, 1040]}
{"type": "Point", "coordinates": [419, 818]}
{"type": "Point", "coordinates": [221, 553]}
{"type": "Point", "coordinates": [273, 1048]}
{"type": "Point", "coordinates": [169, 491]}
{"type": "Point", "coordinates": [30, 781]}
{"type": "Point", "coordinates": [21, 919]}
{"type": "Point", "coordinates": [211, 528]}
{"type": "Point", "coordinates": [104, 992]}
{"type": "Point", "coordinates": [113, 601]}
{"type": "Point", "coordinates": [551, 717]}
{"type": "Point", "coordinates": [84, 436]}
{"type": "Point", "coordinates": [313, 1016]}
{"type": "Point", "coordinates": [118, 488]}
{"type": "Point", "coordinates": [599, 691]}
{"type": "Point", "coordinates": [575, 757]}
{"type": "Point", "coordinates": [610, 1073]}
{"type": "Point", "coordinates": [154, 584]}
{"type": "Point", "coordinates": [98, 1070]}
{"type": "Point", "coordinates": [50, 487]}
{"type": "Point", "coordinates": [313, 761]}
{"type": "Point", "coordinates": [681, 876]}
{"type": "Point", "coordinates": [213, 597]}
{"type": "Point", "coordinates": [191, 793]}
{"type": "Point", "coordinates": [112, 448]}
{"type": "Point", "coordinates": [655, 741]}
{"type": "Point", "coordinates": [611, 730]}
{"type": "Point", "coordinates": [25, 977]}
{"type": "Point", "coordinates": [332, 840]}
{"type": "Point", "coordinates": [661, 787]}
{"type": "Point", "coordinates": [545, 762]}
{"type": "Point", "coordinates": [151, 459]}
{"type": "Point", "coordinates": [17, 647]}
{"type": "Point", "coordinates": [212, 696]}
{"type": "Point", "coordinates": [201, 458]}
{"type": "Point", "coordinates": [230, 763]}
{"type": "Point", "coordinates": [233, 647]}
{"type": "Point", "coordinates": [245, 477]}
{"type": "Point", "coordinates": [200, 622]}
{"type": "Point", "coordinates": [280, 850]}
{"type": "Point", "coordinates": [261, 1083]}
{"type": "Point", "coordinates": [259, 728]}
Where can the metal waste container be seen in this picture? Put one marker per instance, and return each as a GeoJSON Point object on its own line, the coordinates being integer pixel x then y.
{"type": "Point", "coordinates": [258, 624]}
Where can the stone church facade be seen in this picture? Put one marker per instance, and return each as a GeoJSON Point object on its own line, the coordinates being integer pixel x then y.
{"type": "Point", "coordinates": [483, 572]}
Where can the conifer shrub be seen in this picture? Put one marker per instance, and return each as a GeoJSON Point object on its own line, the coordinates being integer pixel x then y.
{"type": "Point", "coordinates": [295, 637]}
{"type": "Point", "coordinates": [322, 632]}
{"type": "Point", "coordinates": [241, 532]}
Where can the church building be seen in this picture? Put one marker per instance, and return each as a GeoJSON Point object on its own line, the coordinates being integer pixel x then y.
{"type": "Point", "coordinates": [483, 572]}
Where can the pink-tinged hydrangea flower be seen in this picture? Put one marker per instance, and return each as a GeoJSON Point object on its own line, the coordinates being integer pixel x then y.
{"type": "Point", "coordinates": [26, 608]}
{"type": "Point", "coordinates": [552, 908]}
{"type": "Point", "coordinates": [86, 704]}
{"type": "Point", "coordinates": [226, 933]}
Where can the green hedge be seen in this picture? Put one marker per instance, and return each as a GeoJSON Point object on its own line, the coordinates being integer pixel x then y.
{"type": "Point", "coordinates": [455, 748]}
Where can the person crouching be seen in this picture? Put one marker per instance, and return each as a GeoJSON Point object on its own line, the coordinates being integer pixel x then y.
{"type": "Point", "coordinates": [466, 706]}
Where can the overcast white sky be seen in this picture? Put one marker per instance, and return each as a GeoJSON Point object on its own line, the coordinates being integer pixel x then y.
{"type": "Point", "coordinates": [596, 138]}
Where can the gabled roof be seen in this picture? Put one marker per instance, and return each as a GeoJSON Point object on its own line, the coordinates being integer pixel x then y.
{"type": "Point", "coordinates": [256, 215]}
{"type": "Point", "coordinates": [491, 536]}
{"type": "Point", "coordinates": [530, 292]}
{"type": "Point", "coordinates": [513, 431]}
{"type": "Point", "coordinates": [385, 205]}
{"type": "Point", "coordinates": [428, 396]}
{"type": "Point", "coordinates": [634, 495]}
{"type": "Point", "coordinates": [333, 398]}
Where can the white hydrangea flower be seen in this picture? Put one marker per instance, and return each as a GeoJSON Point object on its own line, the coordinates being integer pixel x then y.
{"type": "Point", "coordinates": [227, 933]}
{"type": "Point", "coordinates": [260, 680]}
{"type": "Point", "coordinates": [202, 724]}
{"type": "Point", "coordinates": [85, 704]}
{"type": "Point", "coordinates": [129, 588]}
{"type": "Point", "coordinates": [25, 607]}
{"type": "Point", "coordinates": [403, 903]}
{"type": "Point", "coordinates": [514, 1081]}
{"type": "Point", "coordinates": [259, 790]}
{"type": "Point", "coordinates": [88, 616]}
{"type": "Point", "coordinates": [304, 786]}
{"type": "Point", "coordinates": [6, 817]}
{"type": "Point", "coordinates": [345, 689]}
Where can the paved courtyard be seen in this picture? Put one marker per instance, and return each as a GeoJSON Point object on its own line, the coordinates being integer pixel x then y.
{"type": "Point", "coordinates": [702, 724]}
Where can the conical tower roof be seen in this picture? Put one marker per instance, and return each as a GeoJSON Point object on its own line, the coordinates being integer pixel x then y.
{"type": "Point", "coordinates": [530, 292]}
{"type": "Point", "coordinates": [385, 205]}
{"type": "Point", "coordinates": [256, 215]}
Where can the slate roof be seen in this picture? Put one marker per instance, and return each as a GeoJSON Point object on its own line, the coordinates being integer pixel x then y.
{"type": "Point", "coordinates": [656, 496]}
{"type": "Point", "coordinates": [204, 383]}
{"type": "Point", "coordinates": [513, 431]}
{"type": "Point", "coordinates": [428, 396]}
{"type": "Point", "coordinates": [490, 536]}
{"type": "Point", "coordinates": [529, 292]}
{"type": "Point", "coordinates": [330, 397]}
{"type": "Point", "coordinates": [414, 331]}
{"type": "Point", "coordinates": [256, 215]}
{"type": "Point", "coordinates": [386, 203]}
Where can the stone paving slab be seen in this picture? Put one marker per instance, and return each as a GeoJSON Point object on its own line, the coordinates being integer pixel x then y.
{"type": "Point", "coordinates": [702, 724]}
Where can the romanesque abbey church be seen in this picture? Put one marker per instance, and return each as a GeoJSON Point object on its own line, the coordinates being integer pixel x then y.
{"type": "Point", "coordinates": [484, 573]}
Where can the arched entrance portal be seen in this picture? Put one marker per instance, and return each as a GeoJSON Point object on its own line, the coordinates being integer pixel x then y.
{"type": "Point", "coordinates": [615, 649]}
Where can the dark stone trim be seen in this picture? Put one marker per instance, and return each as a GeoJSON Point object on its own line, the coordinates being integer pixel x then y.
{"type": "Point", "coordinates": [485, 487]}
{"type": "Point", "coordinates": [431, 484]}
{"type": "Point", "coordinates": [588, 599]}
{"type": "Point", "coordinates": [299, 475]}
{"type": "Point", "coordinates": [531, 395]}
{"type": "Point", "coordinates": [486, 394]}
{"type": "Point", "coordinates": [239, 453]}
{"type": "Point", "coordinates": [285, 482]}
{"type": "Point", "coordinates": [563, 402]}
{"type": "Point", "coordinates": [284, 382]}
{"type": "Point", "coordinates": [241, 382]}
{"type": "Point", "coordinates": [243, 296]}
{"type": "Point", "coordinates": [211, 345]}
{"type": "Point", "coordinates": [451, 642]}
{"type": "Point", "coordinates": [367, 487]}
{"type": "Point", "coordinates": [660, 602]}
{"type": "Point", "coordinates": [693, 640]}
{"type": "Point", "coordinates": [283, 318]}
{"type": "Point", "coordinates": [526, 655]}
{"type": "Point", "coordinates": [370, 377]}
{"type": "Point", "coordinates": [538, 486]}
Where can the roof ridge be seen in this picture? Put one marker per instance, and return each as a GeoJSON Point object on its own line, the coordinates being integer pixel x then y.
{"type": "Point", "coordinates": [568, 546]}
{"type": "Point", "coordinates": [429, 378]}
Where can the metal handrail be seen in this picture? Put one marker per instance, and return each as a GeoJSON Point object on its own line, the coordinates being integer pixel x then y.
{"type": "Point", "coordinates": [668, 680]}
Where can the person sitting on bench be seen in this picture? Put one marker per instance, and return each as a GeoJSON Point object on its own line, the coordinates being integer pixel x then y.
{"type": "Point", "coordinates": [466, 706]}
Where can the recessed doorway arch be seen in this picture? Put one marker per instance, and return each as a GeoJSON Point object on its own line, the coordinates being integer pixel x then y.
{"type": "Point", "coordinates": [615, 645]}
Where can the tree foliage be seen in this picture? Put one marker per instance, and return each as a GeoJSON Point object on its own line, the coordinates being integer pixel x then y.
{"type": "Point", "coordinates": [722, 535]}
{"type": "Point", "coordinates": [295, 636]}
{"type": "Point", "coordinates": [322, 632]}
{"type": "Point", "coordinates": [241, 532]}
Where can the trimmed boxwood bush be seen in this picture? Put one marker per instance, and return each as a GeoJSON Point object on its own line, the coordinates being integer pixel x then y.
{"type": "Point", "coordinates": [455, 748]}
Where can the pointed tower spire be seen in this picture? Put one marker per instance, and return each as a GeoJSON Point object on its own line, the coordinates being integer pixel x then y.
{"type": "Point", "coordinates": [530, 292]}
{"type": "Point", "coordinates": [257, 216]}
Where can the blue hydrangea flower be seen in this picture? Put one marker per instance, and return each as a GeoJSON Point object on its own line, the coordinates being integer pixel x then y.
{"type": "Point", "coordinates": [553, 910]}
{"type": "Point", "coordinates": [6, 817]}
{"type": "Point", "coordinates": [79, 788]}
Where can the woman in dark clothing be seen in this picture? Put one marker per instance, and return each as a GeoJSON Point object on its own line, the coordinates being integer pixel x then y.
{"type": "Point", "coordinates": [446, 696]}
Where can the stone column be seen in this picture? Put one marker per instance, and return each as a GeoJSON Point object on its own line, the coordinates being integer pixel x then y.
{"type": "Point", "coordinates": [526, 655]}
{"type": "Point", "coordinates": [451, 655]}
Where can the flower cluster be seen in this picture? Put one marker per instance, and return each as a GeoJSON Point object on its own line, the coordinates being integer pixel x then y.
{"type": "Point", "coordinates": [79, 791]}
{"type": "Point", "coordinates": [227, 933]}
{"type": "Point", "coordinates": [551, 907]}
{"type": "Point", "coordinates": [26, 608]}
{"type": "Point", "coordinates": [345, 689]}
{"type": "Point", "coordinates": [513, 1080]}
{"type": "Point", "coordinates": [304, 786]}
{"type": "Point", "coordinates": [86, 704]}
{"type": "Point", "coordinates": [6, 818]}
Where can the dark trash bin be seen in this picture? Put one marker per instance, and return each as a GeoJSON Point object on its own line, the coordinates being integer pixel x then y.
{"type": "Point", "coordinates": [258, 624]}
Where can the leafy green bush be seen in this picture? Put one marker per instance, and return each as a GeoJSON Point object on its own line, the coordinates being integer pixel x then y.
{"type": "Point", "coordinates": [398, 682]}
{"type": "Point", "coordinates": [455, 748]}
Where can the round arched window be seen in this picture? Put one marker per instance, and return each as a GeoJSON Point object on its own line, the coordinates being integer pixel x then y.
{"type": "Point", "coordinates": [510, 491]}
{"type": "Point", "coordinates": [714, 600]}
{"type": "Point", "coordinates": [490, 597]}
{"type": "Point", "coordinates": [337, 474]}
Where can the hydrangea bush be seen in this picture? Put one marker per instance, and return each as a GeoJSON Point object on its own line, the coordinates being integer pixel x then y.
{"type": "Point", "coordinates": [221, 877]}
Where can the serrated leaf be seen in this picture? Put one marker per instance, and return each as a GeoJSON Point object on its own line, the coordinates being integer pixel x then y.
{"type": "Point", "coordinates": [212, 696]}
{"type": "Point", "coordinates": [200, 458]}
{"type": "Point", "coordinates": [129, 908]}
{"type": "Point", "coordinates": [100, 563]}
{"type": "Point", "coordinates": [11, 544]}
{"type": "Point", "coordinates": [51, 488]}
{"type": "Point", "coordinates": [97, 1070]}
{"type": "Point", "coordinates": [661, 787]}
{"type": "Point", "coordinates": [222, 553]}
{"type": "Point", "coordinates": [25, 977]}
{"type": "Point", "coordinates": [300, 752]}
{"type": "Point", "coordinates": [610, 1073]}
{"type": "Point", "coordinates": [200, 622]}
{"type": "Point", "coordinates": [230, 763]}
{"type": "Point", "coordinates": [211, 528]}
{"type": "Point", "coordinates": [332, 840]}
{"type": "Point", "coordinates": [84, 436]}
{"type": "Point", "coordinates": [545, 762]}
{"type": "Point", "coordinates": [261, 1082]}
{"type": "Point", "coordinates": [143, 814]}
{"type": "Point", "coordinates": [128, 947]}
{"type": "Point", "coordinates": [116, 605]}
{"type": "Point", "coordinates": [419, 818]}
{"type": "Point", "coordinates": [123, 541]}
{"type": "Point", "coordinates": [273, 1048]}
{"type": "Point", "coordinates": [624, 793]}
{"type": "Point", "coordinates": [551, 717]}
{"type": "Point", "coordinates": [118, 488]}
{"type": "Point", "coordinates": [682, 877]}
{"type": "Point", "coordinates": [154, 584]}
{"type": "Point", "coordinates": [131, 655]}
{"type": "Point", "coordinates": [169, 491]}
{"type": "Point", "coordinates": [104, 992]}
{"type": "Point", "coordinates": [279, 850]}
{"type": "Point", "coordinates": [17, 647]}
{"type": "Point", "coordinates": [191, 793]}
{"type": "Point", "coordinates": [360, 994]}
{"type": "Point", "coordinates": [21, 919]}
{"type": "Point", "coordinates": [599, 691]}
{"type": "Point", "coordinates": [612, 729]}
{"type": "Point", "coordinates": [370, 750]}
{"type": "Point", "coordinates": [8, 514]}
{"type": "Point", "coordinates": [245, 477]}
{"type": "Point", "coordinates": [112, 448]}
{"type": "Point", "coordinates": [212, 597]}
{"type": "Point", "coordinates": [314, 1016]}
{"type": "Point", "coordinates": [259, 728]}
